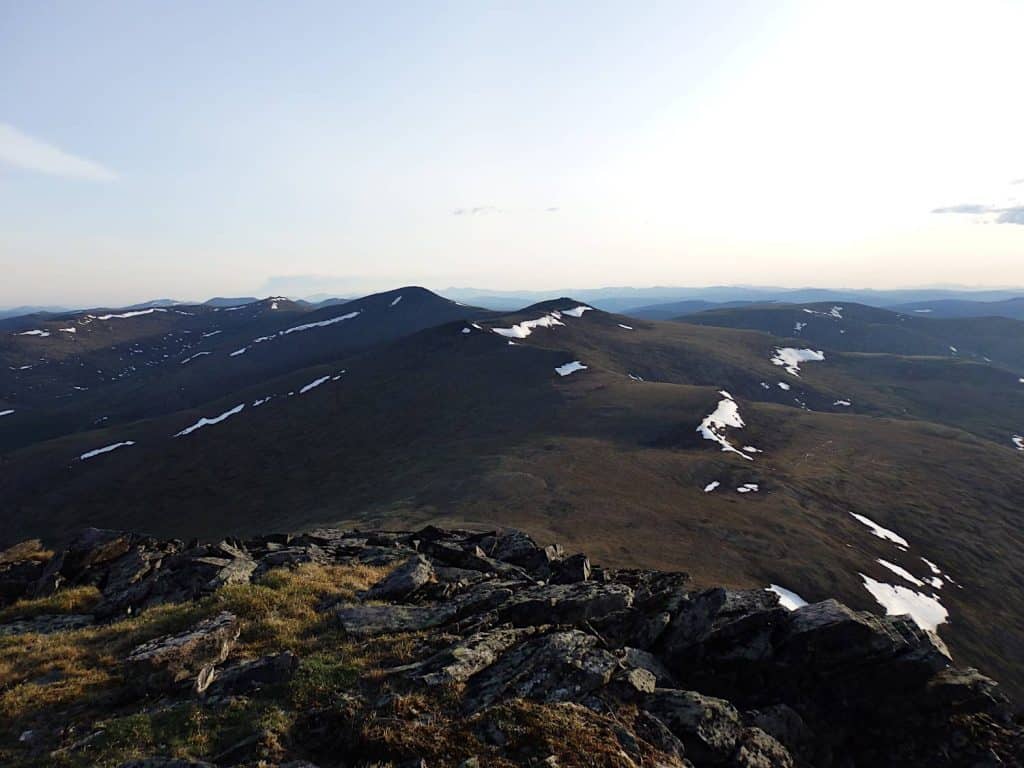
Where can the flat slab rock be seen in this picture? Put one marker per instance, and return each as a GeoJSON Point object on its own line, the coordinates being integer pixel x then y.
{"type": "Point", "coordinates": [414, 573]}
{"type": "Point", "coordinates": [193, 654]}
{"type": "Point", "coordinates": [363, 621]}
{"type": "Point", "coordinates": [45, 625]}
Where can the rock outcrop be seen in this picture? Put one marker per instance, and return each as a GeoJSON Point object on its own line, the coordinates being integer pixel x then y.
{"type": "Point", "coordinates": [680, 677]}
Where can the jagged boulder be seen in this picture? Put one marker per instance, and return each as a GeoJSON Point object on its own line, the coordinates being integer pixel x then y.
{"type": "Point", "coordinates": [468, 657]}
{"type": "Point", "coordinates": [21, 566]}
{"type": "Point", "coordinates": [191, 655]}
{"type": "Point", "coordinates": [565, 603]}
{"type": "Point", "coordinates": [249, 676]}
{"type": "Point", "coordinates": [415, 573]}
{"type": "Point", "coordinates": [559, 666]}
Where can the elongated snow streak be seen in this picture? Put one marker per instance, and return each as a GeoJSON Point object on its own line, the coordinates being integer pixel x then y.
{"type": "Point", "coordinates": [68, 330]}
{"type": "Point", "coordinates": [627, 327]}
{"type": "Point", "coordinates": [711, 486]}
{"type": "Point", "coordinates": [576, 311]}
{"type": "Point", "coordinates": [525, 328]}
{"type": "Point", "coordinates": [8, 412]}
{"type": "Point", "coordinates": [787, 598]}
{"type": "Point", "coordinates": [927, 612]}
{"type": "Point", "coordinates": [193, 357]}
{"type": "Point", "coordinates": [209, 334]}
{"type": "Point", "coordinates": [307, 326]}
{"type": "Point", "coordinates": [726, 414]}
{"type": "Point", "coordinates": [314, 384]}
{"type": "Point", "coordinates": [880, 532]}
{"type": "Point", "coordinates": [238, 352]}
{"type": "Point", "coordinates": [1018, 440]}
{"type": "Point", "coordinates": [205, 422]}
{"type": "Point", "coordinates": [107, 449]}
{"type": "Point", "coordinates": [37, 332]}
{"type": "Point", "coordinates": [565, 370]}
{"type": "Point", "coordinates": [135, 313]}
{"type": "Point", "coordinates": [397, 299]}
{"type": "Point", "coordinates": [903, 573]}
{"type": "Point", "coordinates": [790, 358]}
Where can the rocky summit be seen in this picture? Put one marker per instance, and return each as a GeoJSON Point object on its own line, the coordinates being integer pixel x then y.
{"type": "Point", "coordinates": [456, 648]}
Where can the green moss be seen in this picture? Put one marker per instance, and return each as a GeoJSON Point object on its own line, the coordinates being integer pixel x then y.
{"type": "Point", "coordinates": [320, 679]}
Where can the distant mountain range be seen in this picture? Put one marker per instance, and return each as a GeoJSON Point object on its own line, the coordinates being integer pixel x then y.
{"type": "Point", "coordinates": [630, 300]}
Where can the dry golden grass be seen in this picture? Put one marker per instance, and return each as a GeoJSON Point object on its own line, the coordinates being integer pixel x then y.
{"type": "Point", "coordinates": [32, 550]}
{"type": "Point", "coordinates": [71, 600]}
{"type": "Point", "coordinates": [46, 673]}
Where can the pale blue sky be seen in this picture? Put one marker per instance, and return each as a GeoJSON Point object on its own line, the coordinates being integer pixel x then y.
{"type": "Point", "coordinates": [189, 149]}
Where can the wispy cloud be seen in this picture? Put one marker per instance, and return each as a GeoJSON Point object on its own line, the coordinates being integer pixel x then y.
{"type": "Point", "coordinates": [23, 151]}
{"type": "Point", "coordinates": [482, 210]}
{"type": "Point", "coordinates": [1012, 214]}
{"type": "Point", "coordinates": [487, 210]}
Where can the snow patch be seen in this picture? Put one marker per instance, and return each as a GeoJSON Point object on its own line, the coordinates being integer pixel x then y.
{"type": "Point", "coordinates": [748, 488]}
{"type": "Point", "coordinates": [37, 332]}
{"type": "Point", "coordinates": [307, 327]}
{"type": "Point", "coordinates": [205, 422]}
{"type": "Point", "coordinates": [790, 358]}
{"type": "Point", "coordinates": [565, 370]}
{"type": "Point", "coordinates": [467, 330]}
{"type": "Point", "coordinates": [193, 357]}
{"type": "Point", "coordinates": [880, 531]}
{"type": "Point", "coordinates": [784, 386]}
{"type": "Point", "coordinates": [68, 330]}
{"type": "Point", "coordinates": [927, 612]}
{"type": "Point", "coordinates": [711, 486]}
{"type": "Point", "coordinates": [787, 599]}
{"type": "Point", "coordinates": [843, 403]}
{"type": "Point", "coordinates": [797, 327]}
{"type": "Point", "coordinates": [8, 412]}
{"type": "Point", "coordinates": [725, 415]}
{"type": "Point", "coordinates": [525, 328]}
{"type": "Point", "coordinates": [238, 352]}
{"type": "Point", "coordinates": [314, 384]}
{"type": "Point", "coordinates": [209, 334]}
{"type": "Point", "coordinates": [1018, 440]}
{"type": "Point", "coordinates": [576, 311]}
{"type": "Point", "coordinates": [627, 327]}
{"type": "Point", "coordinates": [89, 454]}
{"type": "Point", "coordinates": [397, 299]}
{"type": "Point", "coordinates": [135, 313]}
{"type": "Point", "coordinates": [903, 573]}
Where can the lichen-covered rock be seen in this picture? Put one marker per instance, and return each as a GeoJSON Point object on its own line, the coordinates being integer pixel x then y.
{"type": "Point", "coordinates": [709, 727]}
{"type": "Point", "coordinates": [560, 666]}
{"type": "Point", "coordinates": [369, 620]}
{"type": "Point", "coordinates": [468, 657]}
{"type": "Point", "coordinates": [191, 655]}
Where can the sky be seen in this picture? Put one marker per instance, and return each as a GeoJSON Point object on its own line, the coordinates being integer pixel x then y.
{"type": "Point", "coordinates": [185, 150]}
